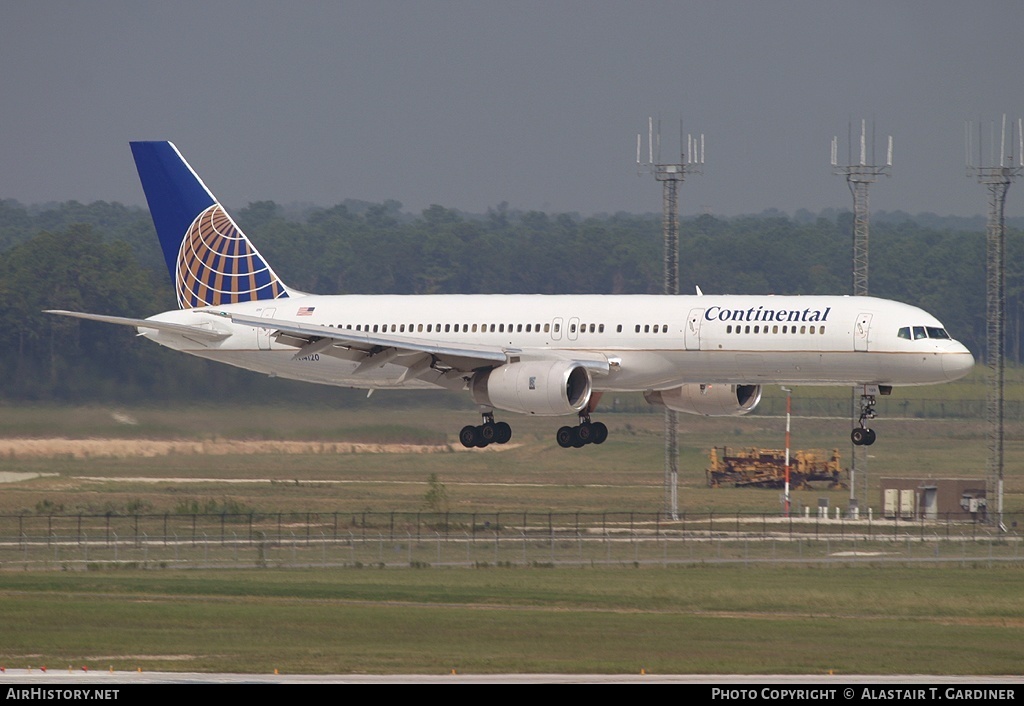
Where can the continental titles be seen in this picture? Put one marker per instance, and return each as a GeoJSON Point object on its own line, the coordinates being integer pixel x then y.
{"type": "Point", "coordinates": [760, 313]}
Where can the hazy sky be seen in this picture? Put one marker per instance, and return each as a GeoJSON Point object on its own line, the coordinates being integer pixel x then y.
{"type": "Point", "coordinates": [468, 104]}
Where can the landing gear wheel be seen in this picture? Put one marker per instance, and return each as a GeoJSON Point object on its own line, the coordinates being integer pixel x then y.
{"type": "Point", "coordinates": [863, 437]}
{"type": "Point", "coordinates": [579, 436]}
{"type": "Point", "coordinates": [468, 436]}
{"type": "Point", "coordinates": [490, 432]}
{"type": "Point", "coordinates": [566, 437]}
{"type": "Point", "coordinates": [502, 433]}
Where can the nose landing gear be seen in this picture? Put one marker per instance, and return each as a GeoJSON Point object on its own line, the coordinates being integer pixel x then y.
{"type": "Point", "coordinates": [862, 436]}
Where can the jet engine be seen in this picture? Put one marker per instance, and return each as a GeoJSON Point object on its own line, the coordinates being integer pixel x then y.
{"type": "Point", "coordinates": [545, 388]}
{"type": "Point", "coordinates": [708, 400]}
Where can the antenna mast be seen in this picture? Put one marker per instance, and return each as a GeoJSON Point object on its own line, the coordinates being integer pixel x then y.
{"type": "Point", "coordinates": [860, 175]}
{"type": "Point", "coordinates": [671, 175]}
{"type": "Point", "coordinates": [996, 175]}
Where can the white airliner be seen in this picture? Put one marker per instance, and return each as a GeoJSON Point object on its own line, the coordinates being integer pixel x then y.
{"type": "Point", "coordinates": [530, 354]}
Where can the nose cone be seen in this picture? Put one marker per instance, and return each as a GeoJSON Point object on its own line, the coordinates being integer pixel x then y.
{"type": "Point", "coordinates": [956, 364]}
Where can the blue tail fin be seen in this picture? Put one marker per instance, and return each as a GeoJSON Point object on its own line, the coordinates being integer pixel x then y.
{"type": "Point", "coordinates": [210, 260]}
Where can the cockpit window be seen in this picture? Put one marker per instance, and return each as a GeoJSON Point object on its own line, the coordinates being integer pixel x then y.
{"type": "Point", "coordinates": [922, 332]}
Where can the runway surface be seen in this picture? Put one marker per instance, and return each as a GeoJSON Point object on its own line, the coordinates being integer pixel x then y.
{"type": "Point", "coordinates": [103, 680]}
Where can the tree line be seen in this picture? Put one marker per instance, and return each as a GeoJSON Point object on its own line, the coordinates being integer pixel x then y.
{"type": "Point", "coordinates": [104, 258]}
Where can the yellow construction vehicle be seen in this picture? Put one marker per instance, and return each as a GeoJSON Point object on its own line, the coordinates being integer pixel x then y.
{"type": "Point", "coordinates": [766, 468]}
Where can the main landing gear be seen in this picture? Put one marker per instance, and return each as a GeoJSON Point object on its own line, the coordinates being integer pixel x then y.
{"type": "Point", "coordinates": [862, 436]}
{"type": "Point", "coordinates": [579, 436]}
{"type": "Point", "coordinates": [490, 432]}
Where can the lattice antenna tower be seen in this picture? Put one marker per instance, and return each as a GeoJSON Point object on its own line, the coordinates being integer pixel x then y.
{"type": "Point", "coordinates": [996, 174]}
{"type": "Point", "coordinates": [671, 175]}
{"type": "Point", "coordinates": [860, 175]}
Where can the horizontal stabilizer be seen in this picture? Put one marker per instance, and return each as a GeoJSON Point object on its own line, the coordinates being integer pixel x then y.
{"type": "Point", "coordinates": [179, 329]}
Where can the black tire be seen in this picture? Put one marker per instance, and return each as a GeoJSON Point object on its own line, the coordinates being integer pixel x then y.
{"type": "Point", "coordinates": [468, 436]}
{"type": "Point", "coordinates": [488, 433]}
{"type": "Point", "coordinates": [857, 436]}
{"type": "Point", "coordinates": [869, 437]}
{"type": "Point", "coordinates": [600, 432]}
{"type": "Point", "coordinates": [502, 433]}
{"type": "Point", "coordinates": [580, 442]}
{"type": "Point", "coordinates": [585, 433]}
{"type": "Point", "coordinates": [566, 437]}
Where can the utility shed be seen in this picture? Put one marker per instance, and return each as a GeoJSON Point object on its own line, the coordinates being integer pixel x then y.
{"type": "Point", "coordinates": [934, 498]}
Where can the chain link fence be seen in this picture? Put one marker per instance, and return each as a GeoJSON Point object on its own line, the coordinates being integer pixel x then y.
{"type": "Point", "coordinates": [391, 539]}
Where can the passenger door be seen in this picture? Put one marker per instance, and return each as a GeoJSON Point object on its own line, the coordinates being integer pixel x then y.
{"type": "Point", "coordinates": [692, 332]}
{"type": "Point", "coordinates": [862, 332]}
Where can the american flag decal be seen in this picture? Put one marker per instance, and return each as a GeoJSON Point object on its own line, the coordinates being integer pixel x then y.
{"type": "Point", "coordinates": [305, 311]}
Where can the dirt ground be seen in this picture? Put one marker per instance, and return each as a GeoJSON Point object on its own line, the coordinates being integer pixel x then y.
{"type": "Point", "coordinates": [149, 448]}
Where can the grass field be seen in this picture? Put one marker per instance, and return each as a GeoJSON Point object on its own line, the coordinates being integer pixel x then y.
{"type": "Point", "coordinates": [685, 620]}
{"type": "Point", "coordinates": [961, 618]}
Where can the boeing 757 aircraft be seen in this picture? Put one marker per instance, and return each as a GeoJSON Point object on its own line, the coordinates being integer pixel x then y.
{"type": "Point", "coordinates": [529, 354]}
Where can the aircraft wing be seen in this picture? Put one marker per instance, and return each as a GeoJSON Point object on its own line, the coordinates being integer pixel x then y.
{"type": "Point", "coordinates": [193, 332]}
{"type": "Point", "coordinates": [315, 338]}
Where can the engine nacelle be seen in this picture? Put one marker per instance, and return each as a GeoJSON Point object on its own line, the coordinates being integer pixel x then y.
{"type": "Point", "coordinates": [545, 388]}
{"type": "Point", "coordinates": [708, 400]}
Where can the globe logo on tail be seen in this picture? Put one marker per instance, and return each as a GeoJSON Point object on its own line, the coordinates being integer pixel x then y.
{"type": "Point", "coordinates": [218, 265]}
